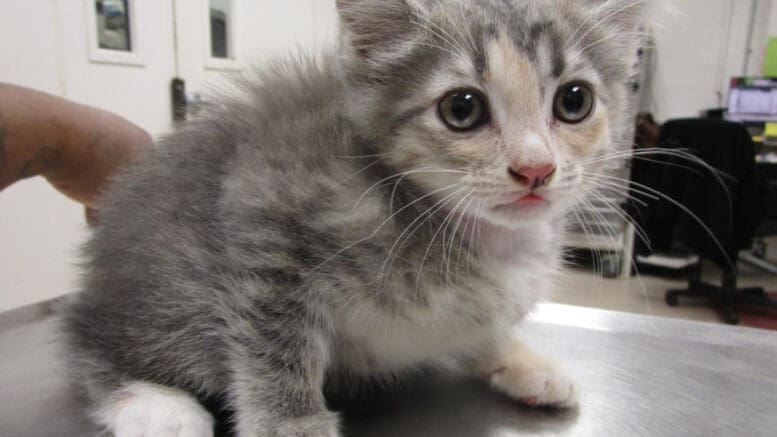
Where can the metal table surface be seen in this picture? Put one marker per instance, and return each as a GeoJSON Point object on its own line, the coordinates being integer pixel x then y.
{"type": "Point", "coordinates": [637, 375]}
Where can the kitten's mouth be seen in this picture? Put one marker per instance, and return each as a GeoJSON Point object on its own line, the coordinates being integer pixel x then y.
{"type": "Point", "coordinates": [531, 200]}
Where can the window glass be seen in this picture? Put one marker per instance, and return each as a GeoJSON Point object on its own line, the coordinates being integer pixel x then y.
{"type": "Point", "coordinates": [113, 25]}
{"type": "Point", "coordinates": [220, 32]}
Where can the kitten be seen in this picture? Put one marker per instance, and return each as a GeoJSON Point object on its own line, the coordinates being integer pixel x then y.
{"type": "Point", "coordinates": [397, 204]}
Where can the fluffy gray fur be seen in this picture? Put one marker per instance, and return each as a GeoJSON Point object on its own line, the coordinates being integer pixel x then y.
{"type": "Point", "coordinates": [311, 233]}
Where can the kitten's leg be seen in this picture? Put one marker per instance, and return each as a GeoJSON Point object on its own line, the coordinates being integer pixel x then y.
{"type": "Point", "coordinates": [277, 387]}
{"type": "Point", "coordinates": [514, 369]}
{"type": "Point", "coordinates": [148, 410]}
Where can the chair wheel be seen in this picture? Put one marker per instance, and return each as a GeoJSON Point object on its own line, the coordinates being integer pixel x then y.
{"type": "Point", "coordinates": [730, 316]}
{"type": "Point", "coordinates": [671, 299]}
{"type": "Point", "coordinates": [759, 249]}
{"type": "Point", "coordinates": [611, 268]}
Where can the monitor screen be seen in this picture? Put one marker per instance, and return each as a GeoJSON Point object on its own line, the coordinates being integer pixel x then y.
{"type": "Point", "coordinates": [752, 99]}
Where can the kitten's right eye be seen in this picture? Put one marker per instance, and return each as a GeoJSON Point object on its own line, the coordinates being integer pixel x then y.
{"type": "Point", "coordinates": [463, 110]}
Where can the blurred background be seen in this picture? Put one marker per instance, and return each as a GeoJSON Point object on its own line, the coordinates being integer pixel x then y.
{"type": "Point", "coordinates": [152, 61]}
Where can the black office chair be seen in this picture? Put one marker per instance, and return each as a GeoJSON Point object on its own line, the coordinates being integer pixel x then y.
{"type": "Point", "coordinates": [723, 210]}
{"type": "Point", "coordinates": [768, 227]}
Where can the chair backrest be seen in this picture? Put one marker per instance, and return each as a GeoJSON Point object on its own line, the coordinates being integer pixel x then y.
{"type": "Point", "coordinates": [729, 203]}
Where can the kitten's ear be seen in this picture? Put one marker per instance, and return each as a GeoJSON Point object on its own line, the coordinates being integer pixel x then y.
{"type": "Point", "coordinates": [627, 14]}
{"type": "Point", "coordinates": [372, 26]}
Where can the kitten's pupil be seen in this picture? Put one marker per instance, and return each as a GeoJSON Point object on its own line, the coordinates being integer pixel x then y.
{"type": "Point", "coordinates": [463, 106]}
{"type": "Point", "coordinates": [574, 102]}
{"type": "Point", "coordinates": [463, 110]}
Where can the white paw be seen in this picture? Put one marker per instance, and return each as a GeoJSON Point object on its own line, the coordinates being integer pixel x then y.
{"type": "Point", "coordinates": [536, 384]}
{"type": "Point", "coordinates": [147, 410]}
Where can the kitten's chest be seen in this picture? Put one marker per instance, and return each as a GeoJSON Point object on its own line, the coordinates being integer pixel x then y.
{"type": "Point", "coordinates": [452, 318]}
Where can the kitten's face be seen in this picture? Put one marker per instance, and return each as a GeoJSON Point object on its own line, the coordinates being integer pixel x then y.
{"type": "Point", "coordinates": [497, 108]}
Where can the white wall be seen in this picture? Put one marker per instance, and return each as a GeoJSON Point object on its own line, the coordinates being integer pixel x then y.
{"type": "Point", "coordinates": [699, 46]}
{"type": "Point", "coordinates": [139, 93]}
{"type": "Point", "coordinates": [695, 54]}
{"type": "Point", "coordinates": [44, 46]}
{"type": "Point", "coordinates": [39, 229]}
{"type": "Point", "coordinates": [267, 28]}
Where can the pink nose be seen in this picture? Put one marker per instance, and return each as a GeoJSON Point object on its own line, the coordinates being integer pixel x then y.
{"type": "Point", "coordinates": [535, 176]}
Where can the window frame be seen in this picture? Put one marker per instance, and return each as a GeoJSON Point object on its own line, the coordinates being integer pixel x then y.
{"type": "Point", "coordinates": [98, 55]}
{"type": "Point", "coordinates": [232, 62]}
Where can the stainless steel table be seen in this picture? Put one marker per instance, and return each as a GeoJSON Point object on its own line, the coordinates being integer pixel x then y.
{"type": "Point", "coordinates": [638, 376]}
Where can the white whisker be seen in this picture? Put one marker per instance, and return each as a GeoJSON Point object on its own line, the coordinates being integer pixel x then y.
{"type": "Point", "coordinates": [684, 209]}
{"type": "Point", "coordinates": [434, 237]}
{"type": "Point", "coordinates": [401, 176]}
{"type": "Point", "coordinates": [384, 223]}
{"type": "Point", "coordinates": [428, 214]}
{"type": "Point", "coordinates": [606, 17]}
{"type": "Point", "coordinates": [360, 171]}
{"type": "Point", "coordinates": [618, 211]}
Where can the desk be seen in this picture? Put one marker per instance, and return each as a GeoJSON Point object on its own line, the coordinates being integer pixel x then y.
{"type": "Point", "coordinates": [637, 375]}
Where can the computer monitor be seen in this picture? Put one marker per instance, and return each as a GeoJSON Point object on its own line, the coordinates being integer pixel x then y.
{"type": "Point", "coordinates": [752, 100]}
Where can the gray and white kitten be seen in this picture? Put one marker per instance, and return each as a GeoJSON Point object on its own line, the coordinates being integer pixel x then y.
{"type": "Point", "coordinates": [398, 204]}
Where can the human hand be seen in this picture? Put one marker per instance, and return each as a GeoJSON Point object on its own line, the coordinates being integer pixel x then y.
{"type": "Point", "coordinates": [77, 148]}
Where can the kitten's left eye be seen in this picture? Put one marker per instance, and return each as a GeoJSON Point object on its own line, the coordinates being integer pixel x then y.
{"type": "Point", "coordinates": [464, 110]}
{"type": "Point", "coordinates": [574, 102]}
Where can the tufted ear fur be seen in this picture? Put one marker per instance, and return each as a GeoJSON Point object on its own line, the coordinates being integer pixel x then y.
{"type": "Point", "coordinates": [626, 14]}
{"type": "Point", "coordinates": [374, 26]}
{"type": "Point", "coordinates": [621, 19]}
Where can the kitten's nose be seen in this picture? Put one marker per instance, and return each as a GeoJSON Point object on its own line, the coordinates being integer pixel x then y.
{"type": "Point", "coordinates": [533, 177]}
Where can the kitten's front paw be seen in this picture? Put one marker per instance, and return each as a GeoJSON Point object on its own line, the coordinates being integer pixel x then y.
{"type": "Point", "coordinates": [535, 384]}
{"type": "Point", "coordinates": [320, 425]}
